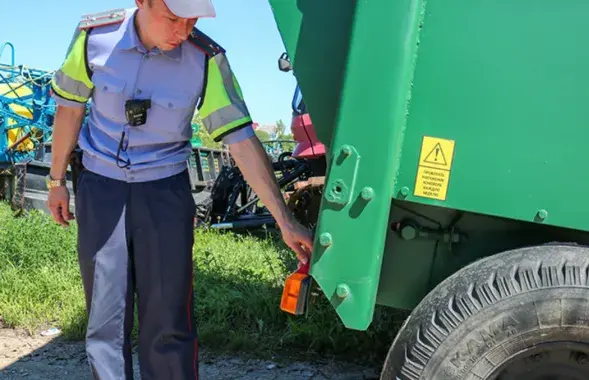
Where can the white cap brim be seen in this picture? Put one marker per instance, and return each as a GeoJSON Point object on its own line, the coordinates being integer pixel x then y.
{"type": "Point", "coordinates": [191, 8]}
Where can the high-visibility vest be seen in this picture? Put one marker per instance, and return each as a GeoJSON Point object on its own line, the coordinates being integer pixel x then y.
{"type": "Point", "coordinates": [221, 105]}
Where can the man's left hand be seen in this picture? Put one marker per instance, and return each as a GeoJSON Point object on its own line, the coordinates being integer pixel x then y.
{"type": "Point", "coordinates": [299, 239]}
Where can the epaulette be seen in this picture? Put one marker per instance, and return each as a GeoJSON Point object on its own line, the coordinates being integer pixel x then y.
{"type": "Point", "coordinates": [114, 16]}
{"type": "Point", "coordinates": [205, 43]}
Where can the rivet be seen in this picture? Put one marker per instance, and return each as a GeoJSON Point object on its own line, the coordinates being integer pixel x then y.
{"type": "Point", "coordinates": [404, 191]}
{"type": "Point", "coordinates": [325, 239]}
{"type": "Point", "coordinates": [367, 193]}
{"type": "Point", "coordinates": [342, 290]}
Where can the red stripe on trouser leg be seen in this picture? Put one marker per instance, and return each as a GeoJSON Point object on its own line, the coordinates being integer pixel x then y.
{"type": "Point", "coordinates": [189, 310]}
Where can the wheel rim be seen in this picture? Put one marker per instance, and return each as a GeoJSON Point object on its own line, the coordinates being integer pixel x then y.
{"type": "Point", "coordinates": [549, 361]}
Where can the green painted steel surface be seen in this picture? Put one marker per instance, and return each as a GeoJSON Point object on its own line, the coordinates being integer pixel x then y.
{"type": "Point", "coordinates": [509, 83]}
{"type": "Point", "coordinates": [316, 34]}
{"type": "Point", "coordinates": [414, 263]}
{"type": "Point", "coordinates": [466, 115]}
{"type": "Point", "coordinates": [336, 37]}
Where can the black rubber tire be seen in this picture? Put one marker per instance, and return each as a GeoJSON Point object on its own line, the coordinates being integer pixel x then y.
{"type": "Point", "coordinates": [472, 323]}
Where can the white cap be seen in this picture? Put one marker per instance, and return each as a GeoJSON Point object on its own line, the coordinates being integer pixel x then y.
{"type": "Point", "coordinates": [191, 8]}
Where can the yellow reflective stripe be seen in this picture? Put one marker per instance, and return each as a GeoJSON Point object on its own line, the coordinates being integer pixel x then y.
{"type": "Point", "coordinates": [217, 133]}
{"type": "Point", "coordinates": [71, 81]}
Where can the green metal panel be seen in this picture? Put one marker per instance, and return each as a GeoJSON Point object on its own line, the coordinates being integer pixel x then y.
{"type": "Point", "coordinates": [353, 222]}
{"type": "Point", "coordinates": [316, 34]}
{"type": "Point", "coordinates": [479, 131]}
{"type": "Point", "coordinates": [414, 263]}
{"type": "Point", "coordinates": [512, 100]}
{"type": "Point", "coordinates": [509, 83]}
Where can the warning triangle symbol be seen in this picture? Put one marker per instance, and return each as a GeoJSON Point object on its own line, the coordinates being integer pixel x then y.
{"type": "Point", "coordinates": [436, 156]}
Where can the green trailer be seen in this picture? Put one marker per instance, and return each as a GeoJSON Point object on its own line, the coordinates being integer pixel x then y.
{"type": "Point", "coordinates": [454, 132]}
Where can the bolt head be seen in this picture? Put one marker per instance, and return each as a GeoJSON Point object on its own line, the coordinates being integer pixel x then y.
{"type": "Point", "coordinates": [325, 239]}
{"type": "Point", "coordinates": [342, 290]}
{"type": "Point", "coordinates": [346, 150]}
{"type": "Point", "coordinates": [367, 193]}
{"type": "Point", "coordinates": [542, 214]}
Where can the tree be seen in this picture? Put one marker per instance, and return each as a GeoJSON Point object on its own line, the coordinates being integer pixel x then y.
{"type": "Point", "coordinates": [281, 135]}
{"type": "Point", "coordinates": [262, 135]}
{"type": "Point", "coordinates": [280, 128]}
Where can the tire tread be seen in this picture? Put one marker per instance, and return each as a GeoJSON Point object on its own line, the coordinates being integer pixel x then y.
{"type": "Point", "coordinates": [474, 288]}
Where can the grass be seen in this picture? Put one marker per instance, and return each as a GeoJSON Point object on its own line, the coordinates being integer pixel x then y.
{"type": "Point", "coordinates": [238, 284]}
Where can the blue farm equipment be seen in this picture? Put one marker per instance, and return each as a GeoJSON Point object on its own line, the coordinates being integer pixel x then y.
{"type": "Point", "coordinates": [26, 111]}
{"type": "Point", "coordinates": [26, 119]}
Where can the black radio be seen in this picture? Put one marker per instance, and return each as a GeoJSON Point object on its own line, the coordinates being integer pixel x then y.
{"type": "Point", "coordinates": [136, 111]}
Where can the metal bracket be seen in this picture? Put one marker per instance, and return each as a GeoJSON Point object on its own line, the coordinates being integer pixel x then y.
{"type": "Point", "coordinates": [342, 177]}
{"type": "Point", "coordinates": [411, 230]}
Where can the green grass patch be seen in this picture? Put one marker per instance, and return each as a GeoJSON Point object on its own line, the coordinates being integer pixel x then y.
{"type": "Point", "coordinates": [238, 284]}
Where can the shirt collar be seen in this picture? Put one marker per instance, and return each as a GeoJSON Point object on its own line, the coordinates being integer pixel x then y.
{"type": "Point", "coordinates": [130, 40]}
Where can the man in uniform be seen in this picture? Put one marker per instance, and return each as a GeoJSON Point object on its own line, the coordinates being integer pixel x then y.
{"type": "Point", "coordinates": [146, 69]}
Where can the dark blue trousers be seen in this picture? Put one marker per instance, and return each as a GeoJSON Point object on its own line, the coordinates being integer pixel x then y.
{"type": "Point", "coordinates": [138, 237]}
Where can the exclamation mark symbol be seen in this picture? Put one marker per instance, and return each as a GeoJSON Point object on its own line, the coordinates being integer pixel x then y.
{"type": "Point", "coordinates": [437, 152]}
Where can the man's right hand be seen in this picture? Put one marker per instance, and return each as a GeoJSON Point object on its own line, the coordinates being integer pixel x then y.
{"type": "Point", "coordinates": [59, 205]}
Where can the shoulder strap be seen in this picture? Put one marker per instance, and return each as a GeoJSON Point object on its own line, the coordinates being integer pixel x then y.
{"type": "Point", "coordinates": [205, 43]}
{"type": "Point", "coordinates": [114, 16]}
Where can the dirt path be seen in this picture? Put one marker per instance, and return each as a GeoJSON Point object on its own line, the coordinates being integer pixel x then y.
{"type": "Point", "coordinates": [39, 358]}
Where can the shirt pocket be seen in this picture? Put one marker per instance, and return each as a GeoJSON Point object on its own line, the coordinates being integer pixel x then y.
{"type": "Point", "coordinates": [109, 96]}
{"type": "Point", "coordinates": [172, 113]}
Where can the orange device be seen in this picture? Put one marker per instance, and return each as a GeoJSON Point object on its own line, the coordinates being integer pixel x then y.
{"type": "Point", "coordinates": [296, 290]}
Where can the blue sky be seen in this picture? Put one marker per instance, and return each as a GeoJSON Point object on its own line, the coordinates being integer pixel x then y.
{"type": "Point", "coordinates": [41, 31]}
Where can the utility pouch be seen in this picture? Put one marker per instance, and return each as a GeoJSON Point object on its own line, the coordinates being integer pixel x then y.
{"type": "Point", "coordinates": [76, 167]}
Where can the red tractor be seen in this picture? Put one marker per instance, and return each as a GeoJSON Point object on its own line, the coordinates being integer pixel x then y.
{"type": "Point", "coordinates": [308, 146]}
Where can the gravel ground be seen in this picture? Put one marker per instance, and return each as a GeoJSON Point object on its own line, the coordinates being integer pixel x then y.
{"type": "Point", "coordinates": [38, 358]}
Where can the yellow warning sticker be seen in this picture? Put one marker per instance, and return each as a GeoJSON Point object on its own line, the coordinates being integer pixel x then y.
{"type": "Point", "coordinates": [435, 164]}
{"type": "Point", "coordinates": [436, 153]}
